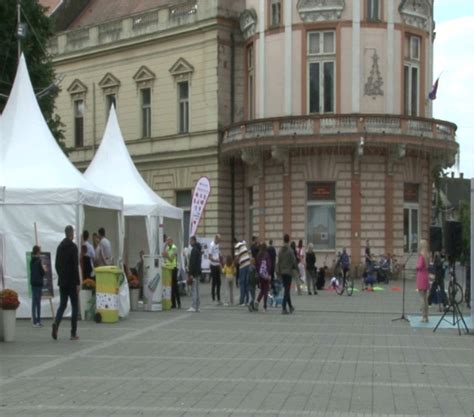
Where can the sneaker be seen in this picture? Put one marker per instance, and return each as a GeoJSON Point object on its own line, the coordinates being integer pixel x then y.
{"type": "Point", "coordinates": [35, 325]}
{"type": "Point", "coordinates": [39, 324]}
{"type": "Point", "coordinates": [291, 310]}
{"type": "Point", "coordinates": [191, 310]}
{"type": "Point", "coordinates": [54, 331]}
{"type": "Point", "coordinates": [75, 337]}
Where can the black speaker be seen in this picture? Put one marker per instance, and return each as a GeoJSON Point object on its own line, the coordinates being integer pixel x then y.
{"type": "Point", "coordinates": [436, 239]}
{"type": "Point", "coordinates": [453, 238]}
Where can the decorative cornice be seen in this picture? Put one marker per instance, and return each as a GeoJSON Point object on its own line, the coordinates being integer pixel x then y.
{"type": "Point", "coordinates": [77, 88]}
{"type": "Point", "coordinates": [144, 77]}
{"type": "Point", "coordinates": [109, 81]}
{"type": "Point", "coordinates": [415, 13]}
{"type": "Point", "coordinates": [282, 155]}
{"type": "Point", "coordinates": [248, 23]}
{"type": "Point", "coordinates": [320, 10]}
{"type": "Point", "coordinates": [181, 67]}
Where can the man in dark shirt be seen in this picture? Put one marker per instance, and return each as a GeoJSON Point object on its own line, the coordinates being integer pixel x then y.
{"type": "Point", "coordinates": [194, 272]}
{"type": "Point", "coordinates": [67, 268]}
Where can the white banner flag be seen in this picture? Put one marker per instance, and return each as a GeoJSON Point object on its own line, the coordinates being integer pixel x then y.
{"type": "Point", "coordinates": [200, 196]}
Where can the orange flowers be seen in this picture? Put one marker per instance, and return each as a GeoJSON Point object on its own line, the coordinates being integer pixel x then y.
{"type": "Point", "coordinates": [9, 300]}
{"type": "Point", "coordinates": [88, 284]}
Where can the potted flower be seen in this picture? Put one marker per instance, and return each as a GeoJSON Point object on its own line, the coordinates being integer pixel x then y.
{"type": "Point", "coordinates": [134, 286]}
{"type": "Point", "coordinates": [87, 299]}
{"type": "Point", "coordinates": [9, 302]}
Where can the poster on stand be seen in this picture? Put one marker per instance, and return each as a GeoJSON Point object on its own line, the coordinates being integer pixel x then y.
{"type": "Point", "coordinates": [152, 283]}
{"type": "Point", "coordinates": [200, 196]}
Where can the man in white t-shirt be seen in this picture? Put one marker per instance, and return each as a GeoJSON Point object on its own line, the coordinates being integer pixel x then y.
{"type": "Point", "coordinates": [215, 260]}
{"type": "Point", "coordinates": [105, 249]}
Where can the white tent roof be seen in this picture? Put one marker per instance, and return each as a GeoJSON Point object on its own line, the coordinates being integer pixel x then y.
{"type": "Point", "coordinates": [112, 169]}
{"type": "Point", "coordinates": [35, 169]}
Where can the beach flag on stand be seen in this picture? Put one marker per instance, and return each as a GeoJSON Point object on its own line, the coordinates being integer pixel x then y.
{"type": "Point", "coordinates": [434, 90]}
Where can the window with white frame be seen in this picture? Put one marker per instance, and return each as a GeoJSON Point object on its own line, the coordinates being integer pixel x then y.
{"type": "Point", "coordinates": [145, 103]}
{"type": "Point", "coordinates": [321, 58]}
{"type": "Point", "coordinates": [373, 9]}
{"type": "Point", "coordinates": [183, 106]}
{"type": "Point", "coordinates": [411, 75]}
{"type": "Point", "coordinates": [78, 123]}
{"type": "Point", "coordinates": [321, 215]}
{"type": "Point", "coordinates": [250, 83]}
{"type": "Point", "coordinates": [184, 201]}
{"type": "Point", "coordinates": [275, 12]}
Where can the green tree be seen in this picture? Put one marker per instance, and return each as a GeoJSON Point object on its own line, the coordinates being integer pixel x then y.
{"type": "Point", "coordinates": [39, 30]}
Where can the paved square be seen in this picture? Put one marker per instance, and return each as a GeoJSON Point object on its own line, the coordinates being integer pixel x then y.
{"type": "Point", "coordinates": [335, 356]}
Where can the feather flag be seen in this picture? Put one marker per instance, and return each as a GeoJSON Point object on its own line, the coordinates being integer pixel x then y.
{"type": "Point", "coordinates": [434, 90]}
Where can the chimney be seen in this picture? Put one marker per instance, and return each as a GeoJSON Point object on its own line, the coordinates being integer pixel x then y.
{"type": "Point", "coordinates": [452, 174]}
{"type": "Point", "coordinates": [461, 175]}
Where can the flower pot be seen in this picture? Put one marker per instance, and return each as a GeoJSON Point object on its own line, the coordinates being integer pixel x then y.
{"type": "Point", "coordinates": [9, 325]}
{"type": "Point", "coordinates": [85, 301]}
{"type": "Point", "coordinates": [134, 294]}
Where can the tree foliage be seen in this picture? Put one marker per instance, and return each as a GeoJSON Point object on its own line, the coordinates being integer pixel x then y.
{"type": "Point", "coordinates": [39, 31]}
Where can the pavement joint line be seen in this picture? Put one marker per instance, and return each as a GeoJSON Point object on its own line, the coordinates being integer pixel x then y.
{"type": "Point", "coordinates": [219, 411]}
{"type": "Point", "coordinates": [89, 350]}
{"type": "Point", "coordinates": [253, 359]}
{"type": "Point", "coordinates": [251, 380]}
{"type": "Point", "coordinates": [292, 344]}
{"type": "Point", "coordinates": [295, 333]}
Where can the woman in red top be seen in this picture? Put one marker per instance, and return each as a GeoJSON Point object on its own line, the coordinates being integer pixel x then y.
{"type": "Point", "coordinates": [422, 278]}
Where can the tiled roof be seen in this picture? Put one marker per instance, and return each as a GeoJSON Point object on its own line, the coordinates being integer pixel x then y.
{"type": "Point", "coordinates": [50, 4]}
{"type": "Point", "coordinates": [100, 11]}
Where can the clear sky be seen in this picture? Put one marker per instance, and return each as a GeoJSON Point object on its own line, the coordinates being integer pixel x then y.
{"type": "Point", "coordinates": [454, 60]}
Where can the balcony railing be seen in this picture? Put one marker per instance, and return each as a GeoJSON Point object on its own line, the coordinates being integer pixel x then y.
{"type": "Point", "coordinates": [318, 127]}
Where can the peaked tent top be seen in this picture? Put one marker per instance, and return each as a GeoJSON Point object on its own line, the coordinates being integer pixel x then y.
{"type": "Point", "coordinates": [113, 170]}
{"type": "Point", "coordinates": [33, 161]}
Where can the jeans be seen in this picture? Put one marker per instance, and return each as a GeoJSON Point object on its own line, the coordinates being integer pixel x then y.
{"type": "Point", "coordinates": [311, 280]}
{"type": "Point", "coordinates": [244, 295]}
{"type": "Point", "coordinates": [216, 282]}
{"type": "Point", "coordinates": [287, 293]}
{"type": "Point", "coordinates": [36, 304]}
{"type": "Point", "coordinates": [195, 294]}
{"type": "Point", "coordinates": [264, 285]}
{"type": "Point", "coordinates": [64, 294]}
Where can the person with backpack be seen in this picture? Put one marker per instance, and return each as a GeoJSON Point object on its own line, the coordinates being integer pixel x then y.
{"type": "Point", "coordinates": [264, 266]}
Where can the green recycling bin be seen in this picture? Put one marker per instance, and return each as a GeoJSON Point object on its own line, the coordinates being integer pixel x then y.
{"type": "Point", "coordinates": [106, 292]}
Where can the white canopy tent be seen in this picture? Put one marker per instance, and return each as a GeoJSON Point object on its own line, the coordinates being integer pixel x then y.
{"type": "Point", "coordinates": [41, 186]}
{"type": "Point", "coordinates": [147, 216]}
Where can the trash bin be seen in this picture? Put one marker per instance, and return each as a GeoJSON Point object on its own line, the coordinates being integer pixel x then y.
{"type": "Point", "coordinates": [107, 290]}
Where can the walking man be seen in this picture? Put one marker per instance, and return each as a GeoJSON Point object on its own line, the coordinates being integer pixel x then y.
{"type": "Point", "coordinates": [67, 268]}
{"type": "Point", "coordinates": [215, 260]}
{"type": "Point", "coordinates": [194, 273]}
{"type": "Point", "coordinates": [286, 267]}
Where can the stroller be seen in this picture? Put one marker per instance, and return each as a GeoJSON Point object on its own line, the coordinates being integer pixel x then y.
{"type": "Point", "coordinates": [275, 298]}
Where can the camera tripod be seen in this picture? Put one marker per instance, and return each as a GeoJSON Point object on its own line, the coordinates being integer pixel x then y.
{"type": "Point", "coordinates": [453, 306]}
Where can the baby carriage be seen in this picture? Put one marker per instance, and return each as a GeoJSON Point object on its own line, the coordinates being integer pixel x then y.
{"type": "Point", "coordinates": [275, 298]}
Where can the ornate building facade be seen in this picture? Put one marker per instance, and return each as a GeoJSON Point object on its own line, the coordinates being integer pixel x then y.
{"type": "Point", "coordinates": [310, 117]}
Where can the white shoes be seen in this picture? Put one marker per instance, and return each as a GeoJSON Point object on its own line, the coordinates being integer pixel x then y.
{"type": "Point", "coordinates": [191, 310]}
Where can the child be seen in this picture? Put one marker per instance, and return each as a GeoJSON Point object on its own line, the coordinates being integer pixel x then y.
{"type": "Point", "coordinates": [369, 278]}
{"type": "Point", "coordinates": [252, 279]}
{"type": "Point", "coordinates": [37, 274]}
{"type": "Point", "coordinates": [229, 273]}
